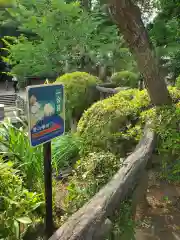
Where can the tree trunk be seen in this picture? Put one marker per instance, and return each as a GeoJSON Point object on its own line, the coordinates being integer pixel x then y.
{"type": "Point", "coordinates": [128, 18]}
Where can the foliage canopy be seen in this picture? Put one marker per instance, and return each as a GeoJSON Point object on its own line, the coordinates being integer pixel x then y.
{"type": "Point", "coordinates": [63, 34]}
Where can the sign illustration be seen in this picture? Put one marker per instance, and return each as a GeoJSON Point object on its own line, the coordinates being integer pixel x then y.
{"type": "Point", "coordinates": [46, 112]}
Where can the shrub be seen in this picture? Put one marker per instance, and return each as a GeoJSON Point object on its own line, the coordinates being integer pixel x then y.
{"type": "Point", "coordinates": [111, 124]}
{"type": "Point", "coordinates": [80, 92]}
{"type": "Point", "coordinates": [91, 173]}
{"type": "Point", "coordinates": [125, 79]}
{"type": "Point", "coordinates": [166, 124]}
{"type": "Point", "coordinates": [106, 124]}
{"type": "Point", "coordinates": [178, 82]}
{"type": "Point", "coordinates": [17, 204]}
{"type": "Point", "coordinates": [175, 94]}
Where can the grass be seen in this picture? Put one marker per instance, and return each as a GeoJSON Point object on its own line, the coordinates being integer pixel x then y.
{"type": "Point", "coordinates": [65, 150]}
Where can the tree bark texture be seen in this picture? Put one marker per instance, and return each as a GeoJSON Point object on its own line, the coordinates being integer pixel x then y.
{"type": "Point", "coordinates": [128, 18]}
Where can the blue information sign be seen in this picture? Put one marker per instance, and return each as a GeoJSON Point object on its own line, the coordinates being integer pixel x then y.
{"type": "Point", "coordinates": [46, 112]}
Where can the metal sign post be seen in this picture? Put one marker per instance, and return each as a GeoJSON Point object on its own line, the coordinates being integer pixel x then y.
{"type": "Point", "coordinates": [2, 112]}
{"type": "Point", "coordinates": [46, 120]}
{"type": "Point", "coordinates": [48, 189]}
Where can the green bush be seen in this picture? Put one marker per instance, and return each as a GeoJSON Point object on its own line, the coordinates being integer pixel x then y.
{"type": "Point", "coordinates": [91, 173]}
{"type": "Point", "coordinates": [125, 79]}
{"type": "Point", "coordinates": [111, 124]}
{"type": "Point", "coordinates": [178, 82]}
{"type": "Point", "coordinates": [166, 124]}
{"type": "Point", "coordinates": [80, 92]}
{"type": "Point", "coordinates": [106, 124]}
{"type": "Point", "coordinates": [175, 93]}
{"type": "Point", "coordinates": [17, 204]}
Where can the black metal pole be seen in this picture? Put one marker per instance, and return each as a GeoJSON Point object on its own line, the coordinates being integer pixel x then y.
{"type": "Point", "coordinates": [48, 189]}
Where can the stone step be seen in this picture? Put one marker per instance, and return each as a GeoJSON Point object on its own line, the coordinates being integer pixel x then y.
{"type": "Point", "coordinates": [8, 103]}
{"type": "Point", "coordinates": [8, 100]}
{"type": "Point", "coordinates": [10, 96]}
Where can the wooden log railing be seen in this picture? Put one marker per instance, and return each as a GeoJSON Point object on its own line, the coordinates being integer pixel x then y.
{"type": "Point", "coordinates": [86, 223]}
{"type": "Point", "coordinates": [108, 89]}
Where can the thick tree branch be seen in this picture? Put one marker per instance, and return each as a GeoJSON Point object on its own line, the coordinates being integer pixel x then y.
{"type": "Point", "coordinates": [128, 18]}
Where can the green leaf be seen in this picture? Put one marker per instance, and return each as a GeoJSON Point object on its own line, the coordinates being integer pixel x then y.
{"type": "Point", "coordinates": [37, 205]}
{"type": "Point", "coordinates": [24, 220]}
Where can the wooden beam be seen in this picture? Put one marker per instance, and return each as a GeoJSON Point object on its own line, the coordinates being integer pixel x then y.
{"type": "Point", "coordinates": [107, 90]}
{"type": "Point", "coordinates": [110, 90]}
{"type": "Point", "coordinates": [84, 224]}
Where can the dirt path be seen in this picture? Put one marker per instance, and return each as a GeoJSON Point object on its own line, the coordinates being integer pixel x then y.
{"type": "Point", "coordinates": [162, 221]}
{"type": "Point", "coordinates": [162, 218]}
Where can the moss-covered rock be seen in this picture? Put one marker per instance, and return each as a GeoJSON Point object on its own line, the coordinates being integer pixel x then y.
{"type": "Point", "coordinates": [80, 92]}
{"type": "Point", "coordinates": [111, 124]}
{"type": "Point", "coordinates": [125, 79]}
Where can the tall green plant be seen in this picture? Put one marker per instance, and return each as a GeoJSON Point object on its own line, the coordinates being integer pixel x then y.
{"type": "Point", "coordinates": [14, 143]}
{"type": "Point", "coordinates": [65, 150]}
